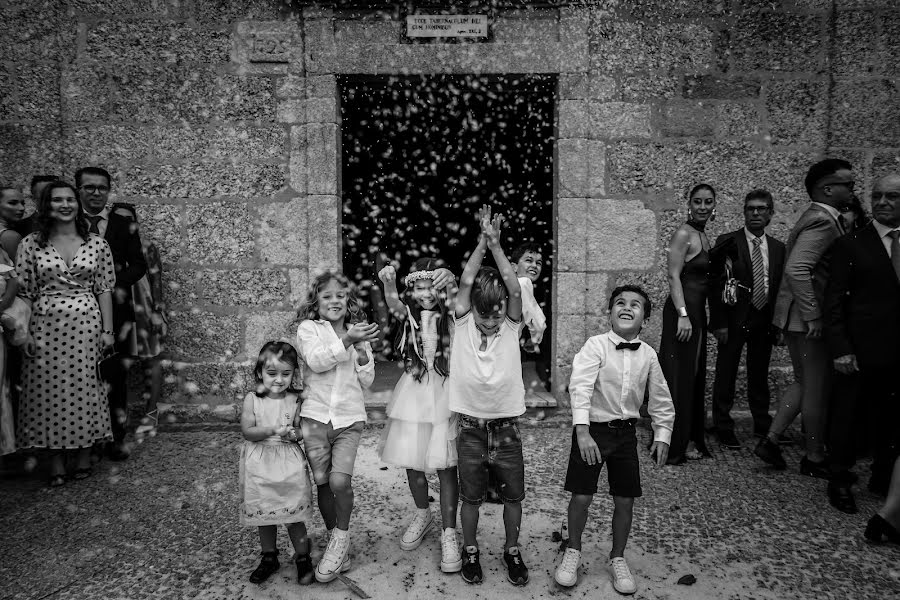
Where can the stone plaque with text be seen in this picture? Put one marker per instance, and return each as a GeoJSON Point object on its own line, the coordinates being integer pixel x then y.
{"type": "Point", "coordinates": [447, 26]}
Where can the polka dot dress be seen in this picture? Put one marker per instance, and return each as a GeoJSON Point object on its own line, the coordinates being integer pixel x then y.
{"type": "Point", "coordinates": [63, 404]}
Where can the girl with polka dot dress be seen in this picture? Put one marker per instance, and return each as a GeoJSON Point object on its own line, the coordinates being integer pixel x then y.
{"type": "Point", "coordinates": [66, 275]}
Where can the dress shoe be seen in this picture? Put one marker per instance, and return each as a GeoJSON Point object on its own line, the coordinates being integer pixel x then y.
{"type": "Point", "coordinates": [769, 451]}
{"type": "Point", "coordinates": [783, 440]}
{"type": "Point", "coordinates": [814, 469]}
{"type": "Point", "coordinates": [728, 439]}
{"type": "Point", "coordinates": [117, 452]}
{"type": "Point", "coordinates": [878, 529]}
{"type": "Point", "coordinates": [840, 497]}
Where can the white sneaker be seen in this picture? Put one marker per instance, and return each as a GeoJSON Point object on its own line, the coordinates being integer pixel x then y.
{"type": "Point", "coordinates": [567, 571]}
{"type": "Point", "coordinates": [451, 559]}
{"type": "Point", "coordinates": [336, 558]}
{"type": "Point", "coordinates": [623, 580]}
{"type": "Point", "coordinates": [415, 532]}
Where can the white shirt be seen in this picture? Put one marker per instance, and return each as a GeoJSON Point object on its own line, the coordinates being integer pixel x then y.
{"type": "Point", "coordinates": [608, 384]}
{"type": "Point", "coordinates": [486, 384]}
{"type": "Point", "coordinates": [532, 315]}
{"type": "Point", "coordinates": [883, 231]}
{"type": "Point", "coordinates": [764, 250]}
{"type": "Point", "coordinates": [332, 378]}
{"type": "Point", "coordinates": [103, 222]}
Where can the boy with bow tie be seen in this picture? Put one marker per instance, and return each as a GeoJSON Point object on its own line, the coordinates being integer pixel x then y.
{"type": "Point", "coordinates": [609, 376]}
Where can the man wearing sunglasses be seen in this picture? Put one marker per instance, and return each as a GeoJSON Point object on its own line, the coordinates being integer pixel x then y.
{"type": "Point", "coordinates": [756, 262]}
{"type": "Point", "coordinates": [120, 231]}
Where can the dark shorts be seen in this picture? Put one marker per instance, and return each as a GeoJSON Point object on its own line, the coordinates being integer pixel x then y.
{"type": "Point", "coordinates": [494, 445]}
{"type": "Point", "coordinates": [618, 451]}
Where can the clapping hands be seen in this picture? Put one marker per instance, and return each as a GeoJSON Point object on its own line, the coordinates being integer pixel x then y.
{"type": "Point", "coordinates": [490, 227]}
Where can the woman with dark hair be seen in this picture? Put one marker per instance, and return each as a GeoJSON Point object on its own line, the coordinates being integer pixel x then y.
{"type": "Point", "coordinates": [66, 275]}
{"type": "Point", "coordinates": [682, 351]}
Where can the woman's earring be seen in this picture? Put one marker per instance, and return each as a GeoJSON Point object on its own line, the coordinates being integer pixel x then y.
{"type": "Point", "coordinates": [712, 217]}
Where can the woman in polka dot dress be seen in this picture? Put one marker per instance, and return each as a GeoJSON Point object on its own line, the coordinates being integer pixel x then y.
{"type": "Point", "coordinates": [67, 276]}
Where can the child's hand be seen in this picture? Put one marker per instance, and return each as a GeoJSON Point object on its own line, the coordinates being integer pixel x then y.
{"type": "Point", "coordinates": [363, 332]}
{"type": "Point", "coordinates": [281, 430]}
{"type": "Point", "coordinates": [490, 227]}
{"type": "Point", "coordinates": [442, 278]}
{"type": "Point", "coordinates": [662, 452]}
{"type": "Point", "coordinates": [388, 274]}
{"type": "Point", "coordinates": [590, 453]}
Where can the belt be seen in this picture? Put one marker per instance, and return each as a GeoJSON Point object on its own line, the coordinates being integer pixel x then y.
{"type": "Point", "coordinates": [621, 423]}
{"type": "Point", "coordinates": [470, 421]}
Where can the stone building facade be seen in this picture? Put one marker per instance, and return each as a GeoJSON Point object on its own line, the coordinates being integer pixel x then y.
{"type": "Point", "coordinates": [220, 120]}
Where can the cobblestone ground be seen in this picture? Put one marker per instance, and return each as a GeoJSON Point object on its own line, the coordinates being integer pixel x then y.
{"type": "Point", "coordinates": [164, 525]}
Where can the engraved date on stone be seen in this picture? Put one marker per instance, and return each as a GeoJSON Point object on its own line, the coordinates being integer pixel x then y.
{"type": "Point", "coordinates": [269, 47]}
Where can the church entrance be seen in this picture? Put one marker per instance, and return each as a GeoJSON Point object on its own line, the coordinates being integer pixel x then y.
{"type": "Point", "coordinates": [421, 154]}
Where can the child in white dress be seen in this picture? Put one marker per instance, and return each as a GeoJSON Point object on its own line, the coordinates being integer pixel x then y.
{"type": "Point", "coordinates": [421, 431]}
{"type": "Point", "coordinates": [274, 479]}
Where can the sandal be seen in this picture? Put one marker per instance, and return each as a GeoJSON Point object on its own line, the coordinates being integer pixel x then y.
{"type": "Point", "coordinates": [57, 481]}
{"type": "Point", "coordinates": [82, 473]}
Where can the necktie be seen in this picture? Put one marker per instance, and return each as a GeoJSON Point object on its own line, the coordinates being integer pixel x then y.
{"type": "Point", "coordinates": [628, 345]}
{"type": "Point", "coordinates": [895, 251]}
{"type": "Point", "coordinates": [94, 219]}
{"type": "Point", "coordinates": [759, 276]}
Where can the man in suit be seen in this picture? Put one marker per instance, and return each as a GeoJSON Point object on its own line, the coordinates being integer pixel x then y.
{"type": "Point", "coordinates": [799, 314]}
{"type": "Point", "coordinates": [120, 232]}
{"type": "Point", "coordinates": [863, 332]}
{"type": "Point", "coordinates": [756, 262]}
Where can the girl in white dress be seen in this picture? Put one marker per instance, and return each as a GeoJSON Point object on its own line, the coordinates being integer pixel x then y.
{"type": "Point", "coordinates": [420, 432]}
{"type": "Point", "coordinates": [274, 479]}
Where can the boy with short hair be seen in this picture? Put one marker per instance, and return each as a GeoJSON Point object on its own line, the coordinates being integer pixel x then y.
{"type": "Point", "coordinates": [609, 376]}
{"type": "Point", "coordinates": [486, 391]}
{"type": "Point", "coordinates": [528, 261]}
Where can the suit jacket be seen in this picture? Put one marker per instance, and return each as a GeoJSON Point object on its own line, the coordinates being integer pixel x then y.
{"type": "Point", "coordinates": [128, 257]}
{"type": "Point", "coordinates": [802, 292]}
{"type": "Point", "coordinates": [738, 250]}
{"type": "Point", "coordinates": [863, 301]}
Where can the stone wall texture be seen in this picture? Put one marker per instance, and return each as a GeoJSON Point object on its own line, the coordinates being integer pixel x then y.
{"type": "Point", "coordinates": [220, 120]}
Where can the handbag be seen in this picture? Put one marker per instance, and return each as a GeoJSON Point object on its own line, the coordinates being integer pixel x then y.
{"type": "Point", "coordinates": [730, 290]}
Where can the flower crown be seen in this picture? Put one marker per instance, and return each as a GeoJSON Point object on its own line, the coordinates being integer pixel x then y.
{"type": "Point", "coordinates": [417, 275]}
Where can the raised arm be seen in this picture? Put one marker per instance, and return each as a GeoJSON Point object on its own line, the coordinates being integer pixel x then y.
{"type": "Point", "coordinates": [507, 272]}
{"type": "Point", "coordinates": [463, 295]}
{"type": "Point", "coordinates": [388, 277]}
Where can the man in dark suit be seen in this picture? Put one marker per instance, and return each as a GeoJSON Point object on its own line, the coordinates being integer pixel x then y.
{"type": "Point", "coordinates": [799, 313]}
{"type": "Point", "coordinates": [756, 262]}
{"type": "Point", "coordinates": [120, 232]}
{"type": "Point", "coordinates": [863, 332]}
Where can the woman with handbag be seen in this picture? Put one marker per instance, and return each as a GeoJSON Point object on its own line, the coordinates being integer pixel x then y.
{"type": "Point", "coordinates": [66, 275]}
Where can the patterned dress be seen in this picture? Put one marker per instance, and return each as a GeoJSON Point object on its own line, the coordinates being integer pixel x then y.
{"type": "Point", "coordinates": [63, 404]}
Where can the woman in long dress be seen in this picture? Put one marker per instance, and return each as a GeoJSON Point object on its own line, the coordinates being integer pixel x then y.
{"type": "Point", "coordinates": [682, 351]}
{"type": "Point", "coordinates": [67, 277]}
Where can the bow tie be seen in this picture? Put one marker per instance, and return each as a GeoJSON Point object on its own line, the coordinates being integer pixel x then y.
{"type": "Point", "coordinates": [628, 345]}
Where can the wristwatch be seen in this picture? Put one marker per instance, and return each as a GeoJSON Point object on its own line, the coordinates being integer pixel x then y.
{"type": "Point", "coordinates": [682, 311]}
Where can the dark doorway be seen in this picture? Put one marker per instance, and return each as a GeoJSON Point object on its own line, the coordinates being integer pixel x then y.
{"type": "Point", "coordinates": [421, 154]}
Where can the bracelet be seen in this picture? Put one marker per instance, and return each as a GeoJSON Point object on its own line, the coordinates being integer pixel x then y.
{"type": "Point", "coordinates": [682, 311]}
{"type": "Point", "coordinates": [107, 332]}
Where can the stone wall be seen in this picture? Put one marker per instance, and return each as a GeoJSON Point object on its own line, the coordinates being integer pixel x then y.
{"type": "Point", "coordinates": [219, 119]}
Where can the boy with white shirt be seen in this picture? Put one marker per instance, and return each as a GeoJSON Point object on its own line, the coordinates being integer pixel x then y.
{"type": "Point", "coordinates": [609, 376]}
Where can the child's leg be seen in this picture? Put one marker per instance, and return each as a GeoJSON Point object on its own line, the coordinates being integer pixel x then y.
{"type": "Point", "coordinates": [418, 485]}
{"type": "Point", "coordinates": [343, 499]}
{"type": "Point", "coordinates": [326, 501]}
{"type": "Point", "coordinates": [343, 459]}
{"type": "Point", "coordinates": [267, 537]}
{"type": "Point", "coordinates": [622, 513]}
{"type": "Point", "coordinates": [512, 522]}
{"type": "Point", "coordinates": [578, 514]}
{"type": "Point", "coordinates": [299, 538]}
{"type": "Point", "coordinates": [468, 515]}
{"type": "Point", "coordinates": [449, 496]}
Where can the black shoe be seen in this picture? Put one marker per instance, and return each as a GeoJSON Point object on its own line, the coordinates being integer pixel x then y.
{"type": "Point", "coordinates": [783, 440]}
{"type": "Point", "coordinates": [840, 497]}
{"type": "Point", "coordinates": [878, 529]}
{"type": "Point", "coordinates": [268, 565]}
{"type": "Point", "coordinates": [305, 572]}
{"type": "Point", "coordinates": [517, 572]}
{"type": "Point", "coordinates": [116, 451]}
{"type": "Point", "coordinates": [471, 569]}
{"type": "Point", "coordinates": [728, 439]}
{"type": "Point", "coordinates": [769, 451]}
{"type": "Point", "coordinates": [814, 469]}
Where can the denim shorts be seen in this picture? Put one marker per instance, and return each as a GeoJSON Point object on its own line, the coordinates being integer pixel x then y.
{"type": "Point", "coordinates": [330, 450]}
{"type": "Point", "coordinates": [490, 444]}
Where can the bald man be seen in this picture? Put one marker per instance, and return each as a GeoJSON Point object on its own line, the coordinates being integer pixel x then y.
{"type": "Point", "coordinates": [863, 330]}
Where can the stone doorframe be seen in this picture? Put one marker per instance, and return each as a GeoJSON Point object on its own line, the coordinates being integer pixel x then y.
{"type": "Point", "coordinates": [307, 54]}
